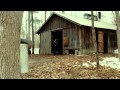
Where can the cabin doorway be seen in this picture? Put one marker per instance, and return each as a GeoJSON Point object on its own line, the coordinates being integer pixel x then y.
{"type": "Point", "coordinates": [105, 42]}
{"type": "Point", "coordinates": [57, 42]}
{"type": "Point", "coordinates": [102, 42]}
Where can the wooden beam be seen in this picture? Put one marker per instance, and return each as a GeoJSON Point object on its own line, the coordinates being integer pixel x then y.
{"type": "Point", "coordinates": [56, 29]}
{"type": "Point", "coordinates": [63, 51]}
{"type": "Point", "coordinates": [80, 38]}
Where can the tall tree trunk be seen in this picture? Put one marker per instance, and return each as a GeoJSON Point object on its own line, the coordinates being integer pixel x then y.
{"type": "Point", "coordinates": [71, 12]}
{"type": "Point", "coordinates": [45, 15]}
{"type": "Point", "coordinates": [32, 32]}
{"type": "Point", "coordinates": [94, 39]}
{"type": "Point", "coordinates": [114, 17]}
{"type": "Point", "coordinates": [10, 26]}
{"type": "Point", "coordinates": [63, 12]}
{"type": "Point", "coordinates": [29, 25]}
{"type": "Point", "coordinates": [26, 30]}
{"type": "Point", "coordinates": [118, 31]}
{"type": "Point", "coordinates": [50, 12]}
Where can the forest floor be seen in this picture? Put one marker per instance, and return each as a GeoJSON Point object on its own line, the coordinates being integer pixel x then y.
{"type": "Point", "coordinates": [70, 67]}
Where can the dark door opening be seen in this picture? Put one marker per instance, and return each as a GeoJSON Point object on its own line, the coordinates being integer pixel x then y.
{"type": "Point", "coordinates": [105, 42]}
{"type": "Point", "coordinates": [57, 42]}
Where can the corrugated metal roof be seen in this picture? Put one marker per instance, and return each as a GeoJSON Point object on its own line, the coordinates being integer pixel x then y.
{"type": "Point", "coordinates": [82, 21]}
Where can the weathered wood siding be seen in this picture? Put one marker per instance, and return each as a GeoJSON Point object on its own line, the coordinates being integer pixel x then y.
{"type": "Point", "coordinates": [45, 45]}
{"type": "Point", "coordinates": [79, 36]}
{"type": "Point", "coordinates": [54, 23]}
{"type": "Point", "coordinates": [72, 34]}
{"type": "Point", "coordinates": [70, 30]}
{"type": "Point", "coordinates": [100, 41]}
{"type": "Point", "coordinates": [86, 40]}
{"type": "Point", "coordinates": [112, 40]}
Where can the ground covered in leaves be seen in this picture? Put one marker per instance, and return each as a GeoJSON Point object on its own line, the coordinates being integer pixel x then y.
{"type": "Point", "coordinates": [68, 67]}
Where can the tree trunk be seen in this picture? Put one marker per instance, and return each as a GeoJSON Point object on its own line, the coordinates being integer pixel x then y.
{"type": "Point", "coordinates": [29, 25]}
{"type": "Point", "coordinates": [94, 39]}
{"type": "Point", "coordinates": [10, 26]}
{"type": "Point", "coordinates": [50, 12]}
{"type": "Point", "coordinates": [27, 36]}
{"type": "Point", "coordinates": [45, 15]}
{"type": "Point", "coordinates": [118, 31]}
{"type": "Point", "coordinates": [63, 12]}
{"type": "Point", "coordinates": [32, 32]}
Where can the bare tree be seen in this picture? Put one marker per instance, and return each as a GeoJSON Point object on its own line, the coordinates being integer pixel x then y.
{"type": "Point", "coordinates": [63, 12]}
{"type": "Point", "coordinates": [45, 15]}
{"type": "Point", "coordinates": [27, 35]}
{"type": "Point", "coordinates": [32, 31]}
{"type": "Point", "coordinates": [10, 26]}
{"type": "Point", "coordinates": [23, 34]}
{"type": "Point", "coordinates": [118, 31]}
{"type": "Point", "coordinates": [29, 13]}
{"type": "Point", "coordinates": [94, 39]}
{"type": "Point", "coordinates": [50, 12]}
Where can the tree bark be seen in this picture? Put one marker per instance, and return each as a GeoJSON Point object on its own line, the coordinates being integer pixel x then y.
{"type": "Point", "coordinates": [63, 12]}
{"type": "Point", "coordinates": [94, 39]}
{"type": "Point", "coordinates": [45, 15]}
{"type": "Point", "coordinates": [10, 26]}
{"type": "Point", "coordinates": [29, 25]}
{"type": "Point", "coordinates": [118, 31]}
{"type": "Point", "coordinates": [32, 32]}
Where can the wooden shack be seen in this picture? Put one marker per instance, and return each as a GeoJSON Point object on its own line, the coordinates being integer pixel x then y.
{"type": "Point", "coordinates": [74, 35]}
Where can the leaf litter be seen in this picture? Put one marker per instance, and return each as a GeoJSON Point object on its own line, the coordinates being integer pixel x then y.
{"type": "Point", "coordinates": [71, 67]}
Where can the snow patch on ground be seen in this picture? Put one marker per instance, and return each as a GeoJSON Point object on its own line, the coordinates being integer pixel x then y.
{"type": "Point", "coordinates": [107, 62]}
{"type": "Point", "coordinates": [36, 50]}
{"type": "Point", "coordinates": [85, 65]}
{"type": "Point", "coordinates": [115, 51]}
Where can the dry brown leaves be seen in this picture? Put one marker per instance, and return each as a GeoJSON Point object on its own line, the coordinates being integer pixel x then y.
{"type": "Point", "coordinates": [67, 67]}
